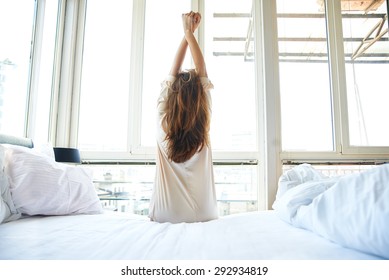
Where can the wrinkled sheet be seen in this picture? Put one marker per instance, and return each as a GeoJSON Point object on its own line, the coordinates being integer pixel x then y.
{"type": "Point", "coordinates": [350, 210]}
{"type": "Point", "coordinates": [8, 211]}
{"type": "Point", "coordinates": [112, 235]}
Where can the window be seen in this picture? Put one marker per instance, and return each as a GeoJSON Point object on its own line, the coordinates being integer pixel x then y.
{"type": "Point", "coordinates": [323, 112]}
{"type": "Point", "coordinates": [45, 70]}
{"type": "Point", "coordinates": [230, 60]}
{"type": "Point", "coordinates": [366, 45]}
{"type": "Point", "coordinates": [129, 75]}
{"type": "Point", "coordinates": [226, 25]}
{"type": "Point", "coordinates": [163, 33]}
{"type": "Point", "coordinates": [122, 116]}
{"type": "Point", "coordinates": [27, 55]}
{"type": "Point", "coordinates": [16, 27]}
{"type": "Point", "coordinates": [128, 188]}
{"type": "Point", "coordinates": [105, 82]}
{"type": "Point", "coordinates": [306, 105]}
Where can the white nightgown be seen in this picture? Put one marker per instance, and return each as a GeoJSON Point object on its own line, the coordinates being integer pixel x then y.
{"type": "Point", "coordinates": [183, 192]}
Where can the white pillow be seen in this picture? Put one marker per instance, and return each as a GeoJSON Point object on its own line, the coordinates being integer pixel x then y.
{"type": "Point", "coordinates": [41, 186]}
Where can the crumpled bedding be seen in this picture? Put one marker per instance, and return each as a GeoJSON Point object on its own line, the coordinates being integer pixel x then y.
{"type": "Point", "coordinates": [8, 211]}
{"type": "Point", "coordinates": [351, 210]}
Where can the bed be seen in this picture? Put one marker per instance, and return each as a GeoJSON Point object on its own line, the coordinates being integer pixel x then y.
{"type": "Point", "coordinates": [115, 236]}
{"type": "Point", "coordinates": [50, 211]}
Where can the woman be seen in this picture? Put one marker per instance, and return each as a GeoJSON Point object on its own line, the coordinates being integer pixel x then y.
{"type": "Point", "coordinates": [184, 189]}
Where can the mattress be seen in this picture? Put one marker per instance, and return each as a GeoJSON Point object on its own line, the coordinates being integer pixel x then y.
{"type": "Point", "coordinates": [125, 236]}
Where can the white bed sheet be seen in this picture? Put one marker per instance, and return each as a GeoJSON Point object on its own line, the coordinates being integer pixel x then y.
{"type": "Point", "coordinates": [111, 235]}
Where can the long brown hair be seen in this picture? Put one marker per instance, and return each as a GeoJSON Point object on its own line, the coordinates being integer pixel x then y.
{"type": "Point", "coordinates": [187, 117]}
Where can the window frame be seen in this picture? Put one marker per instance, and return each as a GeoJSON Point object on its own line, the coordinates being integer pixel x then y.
{"type": "Point", "coordinates": [343, 151]}
{"type": "Point", "coordinates": [135, 152]}
{"type": "Point", "coordinates": [32, 89]}
{"type": "Point", "coordinates": [138, 154]}
{"type": "Point", "coordinates": [33, 70]}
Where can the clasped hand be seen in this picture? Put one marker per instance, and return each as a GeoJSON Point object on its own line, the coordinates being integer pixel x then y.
{"type": "Point", "coordinates": [191, 21]}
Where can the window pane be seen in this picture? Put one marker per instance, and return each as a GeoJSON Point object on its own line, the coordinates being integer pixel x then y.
{"type": "Point", "coordinates": [103, 122]}
{"type": "Point", "coordinates": [231, 69]}
{"type": "Point", "coordinates": [367, 68]}
{"type": "Point", "coordinates": [128, 188]}
{"type": "Point", "coordinates": [16, 25]}
{"type": "Point", "coordinates": [306, 110]}
{"type": "Point", "coordinates": [163, 33]}
{"type": "Point", "coordinates": [43, 93]}
{"type": "Point", "coordinates": [236, 188]}
{"type": "Point", "coordinates": [224, 49]}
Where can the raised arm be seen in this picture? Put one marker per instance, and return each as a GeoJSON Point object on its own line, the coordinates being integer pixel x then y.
{"type": "Point", "coordinates": [190, 22]}
{"type": "Point", "coordinates": [179, 58]}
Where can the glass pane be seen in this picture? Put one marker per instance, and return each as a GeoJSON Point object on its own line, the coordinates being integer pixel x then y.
{"type": "Point", "coordinates": [306, 110]}
{"type": "Point", "coordinates": [43, 93]}
{"type": "Point", "coordinates": [128, 188]}
{"type": "Point", "coordinates": [365, 31]}
{"type": "Point", "coordinates": [163, 33]}
{"type": "Point", "coordinates": [334, 170]}
{"type": "Point", "coordinates": [236, 188]}
{"type": "Point", "coordinates": [230, 66]}
{"type": "Point", "coordinates": [103, 122]}
{"type": "Point", "coordinates": [16, 26]}
{"type": "Point", "coordinates": [224, 49]}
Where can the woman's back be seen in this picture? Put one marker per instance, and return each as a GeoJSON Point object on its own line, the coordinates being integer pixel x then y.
{"type": "Point", "coordinates": [183, 192]}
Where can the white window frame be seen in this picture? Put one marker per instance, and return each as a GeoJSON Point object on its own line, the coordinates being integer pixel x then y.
{"type": "Point", "coordinates": [35, 65]}
{"type": "Point", "coordinates": [343, 151]}
{"type": "Point", "coordinates": [136, 153]}
{"type": "Point", "coordinates": [64, 114]}
{"type": "Point", "coordinates": [268, 101]}
{"type": "Point", "coordinates": [66, 130]}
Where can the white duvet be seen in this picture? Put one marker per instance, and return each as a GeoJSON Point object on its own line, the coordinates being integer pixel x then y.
{"type": "Point", "coordinates": [8, 211]}
{"type": "Point", "coordinates": [351, 210]}
{"type": "Point", "coordinates": [122, 236]}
